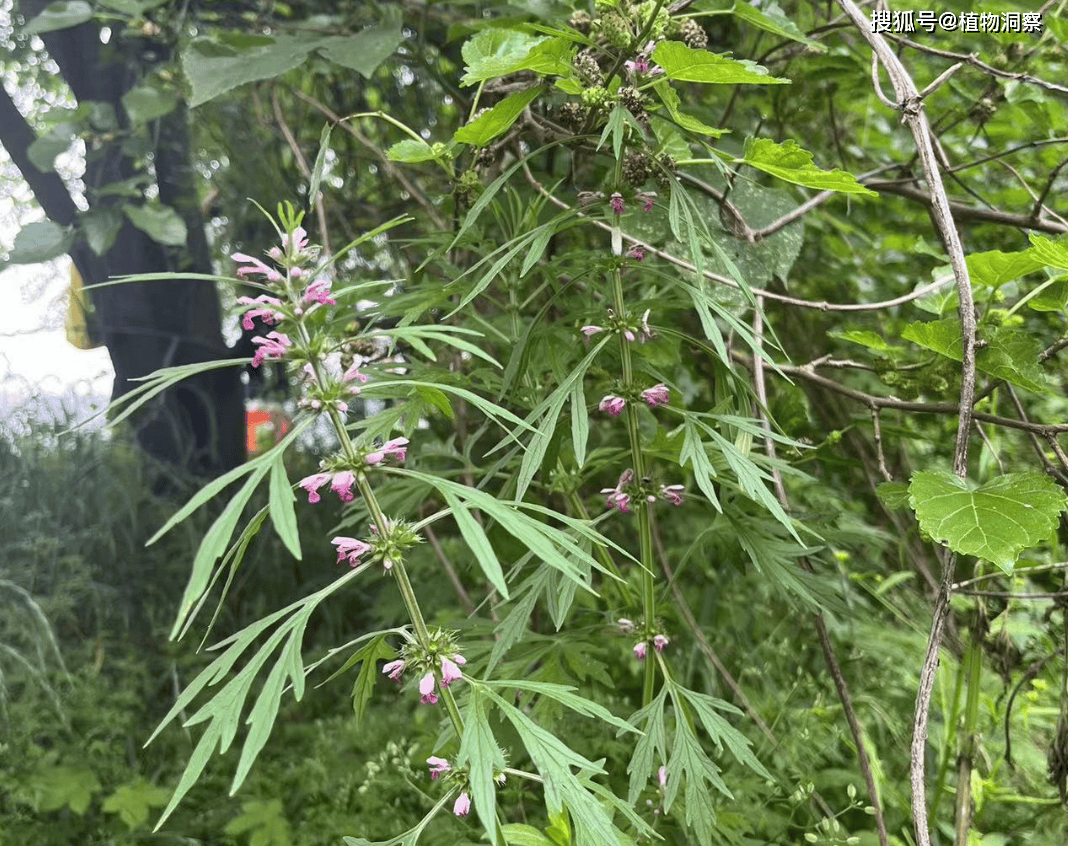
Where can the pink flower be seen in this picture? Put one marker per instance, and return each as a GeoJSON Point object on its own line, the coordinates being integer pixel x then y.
{"type": "Point", "coordinates": [590, 331]}
{"type": "Point", "coordinates": [273, 346]}
{"type": "Point", "coordinates": [342, 485]}
{"type": "Point", "coordinates": [672, 493]}
{"type": "Point", "coordinates": [449, 671]}
{"type": "Point", "coordinates": [626, 626]}
{"type": "Point", "coordinates": [612, 404]}
{"type": "Point", "coordinates": [660, 641]}
{"type": "Point", "coordinates": [616, 202]}
{"type": "Point", "coordinates": [267, 315]}
{"type": "Point", "coordinates": [639, 650]}
{"type": "Point", "coordinates": [437, 766]}
{"type": "Point", "coordinates": [351, 549]}
{"type": "Point", "coordinates": [426, 690]}
{"type": "Point", "coordinates": [636, 253]}
{"type": "Point", "coordinates": [318, 292]}
{"type": "Point", "coordinates": [296, 242]}
{"type": "Point", "coordinates": [628, 334]}
{"type": "Point", "coordinates": [661, 776]}
{"type": "Point", "coordinates": [639, 65]}
{"type": "Point", "coordinates": [397, 447]}
{"type": "Point", "coordinates": [462, 806]}
{"type": "Point", "coordinates": [254, 265]}
{"type": "Point", "coordinates": [394, 669]}
{"type": "Point", "coordinates": [353, 373]}
{"type": "Point", "coordinates": [312, 484]}
{"type": "Point", "coordinates": [618, 499]}
{"type": "Point", "coordinates": [657, 395]}
{"type": "Point", "coordinates": [646, 198]}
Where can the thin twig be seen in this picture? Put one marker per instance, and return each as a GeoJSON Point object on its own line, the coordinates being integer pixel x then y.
{"type": "Point", "coordinates": [915, 118]}
{"type": "Point", "coordinates": [986, 576]}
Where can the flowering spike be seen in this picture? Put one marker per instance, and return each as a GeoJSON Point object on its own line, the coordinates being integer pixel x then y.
{"type": "Point", "coordinates": [254, 265]}
{"type": "Point", "coordinates": [318, 292]}
{"type": "Point", "coordinates": [616, 201]}
{"type": "Point", "coordinates": [612, 404]}
{"type": "Point", "coordinates": [272, 346]}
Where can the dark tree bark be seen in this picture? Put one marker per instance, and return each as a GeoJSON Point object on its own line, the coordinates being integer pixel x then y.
{"type": "Point", "coordinates": [199, 424]}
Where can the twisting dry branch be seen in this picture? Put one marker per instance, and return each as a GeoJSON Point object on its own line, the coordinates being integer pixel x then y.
{"type": "Point", "coordinates": [915, 118]}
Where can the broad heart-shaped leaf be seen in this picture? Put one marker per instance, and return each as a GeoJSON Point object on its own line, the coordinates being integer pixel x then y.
{"type": "Point", "coordinates": [794, 164]}
{"type": "Point", "coordinates": [670, 98]}
{"type": "Point", "coordinates": [688, 65]}
{"type": "Point", "coordinates": [497, 52]}
{"type": "Point", "coordinates": [367, 49]}
{"type": "Point", "coordinates": [995, 268]}
{"type": "Point", "coordinates": [1053, 253]}
{"type": "Point", "coordinates": [60, 15]}
{"type": "Point", "coordinates": [214, 67]}
{"type": "Point", "coordinates": [37, 242]}
{"type": "Point", "coordinates": [1008, 354]}
{"type": "Point", "coordinates": [488, 126]}
{"type": "Point", "coordinates": [411, 151]}
{"type": "Point", "coordinates": [160, 223]}
{"type": "Point", "coordinates": [995, 521]}
{"type": "Point", "coordinates": [774, 22]}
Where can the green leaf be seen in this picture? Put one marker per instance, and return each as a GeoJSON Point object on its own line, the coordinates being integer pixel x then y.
{"type": "Point", "coordinates": [518, 834]}
{"type": "Point", "coordinates": [134, 800]}
{"type": "Point", "coordinates": [1052, 253]}
{"type": "Point", "coordinates": [148, 102]}
{"type": "Point", "coordinates": [364, 686]}
{"type": "Point", "coordinates": [693, 452]}
{"type": "Point", "coordinates": [41, 241]}
{"type": "Point", "coordinates": [477, 542]}
{"type": "Point", "coordinates": [565, 695]}
{"type": "Point", "coordinates": [59, 15]}
{"type": "Point", "coordinates": [498, 52]}
{"type": "Point", "coordinates": [283, 515]}
{"type": "Point", "coordinates": [215, 66]}
{"type": "Point", "coordinates": [365, 51]}
{"type": "Point", "coordinates": [871, 340]}
{"type": "Point", "coordinates": [101, 227]}
{"type": "Point", "coordinates": [995, 521]}
{"type": "Point", "coordinates": [264, 821]}
{"type": "Point", "coordinates": [670, 98]}
{"type": "Point", "coordinates": [411, 151]}
{"type": "Point", "coordinates": [995, 268]}
{"type": "Point", "coordinates": [160, 223]}
{"type": "Point", "coordinates": [64, 787]}
{"type": "Point", "coordinates": [794, 164]}
{"type": "Point", "coordinates": [489, 125]}
{"type": "Point", "coordinates": [580, 422]}
{"type": "Point", "coordinates": [1008, 353]}
{"type": "Point", "coordinates": [651, 749]}
{"type": "Point", "coordinates": [43, 151]}
{"type": "Point", "coordinates": [893, 494]}
{"type": "Point", "coordinates": [775, 22]}
{"type": "Point", "coordinates": [509, 630]}
{"type": "Point", "coordinates": [719, 731]}
{"type": "Point", "coordinates": [688, 65]}
{"type": "Point", "coordinates": [320, 163]}
{"type": "Point", "coordinates": [1052, 297]}
{"type": "Point", "coordinates": [483, 757]}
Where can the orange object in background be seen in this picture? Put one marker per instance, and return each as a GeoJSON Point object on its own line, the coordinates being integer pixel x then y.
{"type": "Point", "coordinates": [266, 424]}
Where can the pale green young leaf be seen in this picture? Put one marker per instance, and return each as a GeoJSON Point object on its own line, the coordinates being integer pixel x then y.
{"type": "Point", "coordinates": [483, 757]}
{"type": "Point", "coordinates": [866, 338]}
{"type": "Point", "coordinates": [510, 629]}
{"type": "Point", "coordinates": [495, 52]}
{"type": "Point", "coordinates": [1048, 251]}
{"type": "Point", "coordinates": [39, 241]}
{"type": "Point", "coordinates": [580, 422]}
{"type": "Point", "coordinates": [792, 163]}
{"type": "Point", "coordinates": [893, 494]}
{"type": "Point", "coordinates": [719, 730]}
{"type": "Point", "coordinates": [283, 514]}
{"type": "Point", "coordinates": [367, 49]}
{"type": "Point", "coordinates": [214, 66]}
{"type": "Point", "coordinates": [265, 821]}
{"type": "Point", "coordinates": [62, 14]}
{"type": "Point", "coordinates": [134, 801]}
{"type": "Point", "coordinates": [995, 521]}
{"type": "Point", "coordinates": [498, 119]}
{"type": "Point", "coordinates": [689, 765]}
{"type": "Point", "coordinates": [693, 452]}
{"type": "Point", "coordinates": [477, 542]}
{"type": "Point", "coordinates": [518, 834]}
{"type": "Point", "coordinates": [408, 838]}
{"type": "Point", "coordinates": [411, 151]}
{"type": "Point", "coordinates": [443, 334]}
{"type": "Point", "coordinates": [686, 64]}
{"type": "Point", "coordinates": [565, 695]}
{"type": "Point", "coordinates": [670, 98]}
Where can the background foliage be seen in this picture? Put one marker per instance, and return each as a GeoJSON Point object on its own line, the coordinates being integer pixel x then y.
{"type": "Point", "coordinates": [512, 247]}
